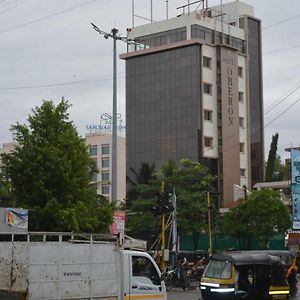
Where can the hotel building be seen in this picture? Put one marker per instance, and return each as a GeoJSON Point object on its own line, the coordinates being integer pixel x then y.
{"type": "Point", "coordinates": [194, 90]}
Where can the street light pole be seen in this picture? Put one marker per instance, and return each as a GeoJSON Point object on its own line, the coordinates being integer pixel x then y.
{"type": "Point", "coordinates": [114, 35]}
{"type": "Point", "coordinates": [114, 179]}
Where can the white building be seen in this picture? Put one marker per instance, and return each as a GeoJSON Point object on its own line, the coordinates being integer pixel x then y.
{"type": "Point", "coordinates": [100, 149]}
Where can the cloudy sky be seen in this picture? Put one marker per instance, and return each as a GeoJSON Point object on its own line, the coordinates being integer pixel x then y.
{"type": "Point", "coordinates": [49, 50]}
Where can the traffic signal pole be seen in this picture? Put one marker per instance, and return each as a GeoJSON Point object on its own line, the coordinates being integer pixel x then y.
{"type": "Point", "coordinates": [209, 222]}
{"type": "Point", "coordinates": [163, 242]}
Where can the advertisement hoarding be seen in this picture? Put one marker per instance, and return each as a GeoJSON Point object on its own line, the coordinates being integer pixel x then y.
{"type": "Point", "coordinates": [295, 187]}
{"type": "Point", "coordinates": [118, 226]}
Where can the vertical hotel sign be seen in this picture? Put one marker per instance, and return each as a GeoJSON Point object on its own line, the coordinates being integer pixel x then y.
{"type": "Point", "coordinates": [230, 122]}
{"type": "Point", "coordinates": [295, 187]}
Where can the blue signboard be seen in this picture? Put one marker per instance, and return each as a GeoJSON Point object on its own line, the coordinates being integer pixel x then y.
{"type": "Point", "coordinates": [295, 186]}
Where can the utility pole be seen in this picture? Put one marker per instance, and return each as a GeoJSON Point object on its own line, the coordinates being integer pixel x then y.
{"type": "Point", "coordinates": [115, 37]}
{"type": "Point", "coordinates": [163, 243]}
{"type": "Point", "coordinates": [209, 222]}
{"type": "Point", "coordinates": [174, 228]}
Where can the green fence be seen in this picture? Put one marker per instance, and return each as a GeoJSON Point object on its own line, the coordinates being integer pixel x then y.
{"type": "Point", "coordinates": [221, 243]}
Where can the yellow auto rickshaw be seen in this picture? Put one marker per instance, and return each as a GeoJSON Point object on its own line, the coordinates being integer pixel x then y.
{"type": "Point", "coordinates": [249, 276]}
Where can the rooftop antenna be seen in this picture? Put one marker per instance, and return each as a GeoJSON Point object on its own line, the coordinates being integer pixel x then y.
{"type": "Point", "coordinates": [188, 6]}
{"type": "Point", "coordinates": [167, 9]}
{"type": "Point", "coordinates": [222, 24]}
{"type": "Point", "coordinates": [151, 4]}
{"type": "Point", "coordinates": [132, 13]}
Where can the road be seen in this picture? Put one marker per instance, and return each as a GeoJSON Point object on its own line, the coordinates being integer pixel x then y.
{"type": "Point", "coordinates": [179, 294]}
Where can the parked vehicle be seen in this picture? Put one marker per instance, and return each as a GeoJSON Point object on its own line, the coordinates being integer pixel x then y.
{"type": "Point", "coordinates": [85, 267]}
{"type": "Point", "coordinates": [238, 275]}
{"type": "Point", "coordinates": [178, 276]}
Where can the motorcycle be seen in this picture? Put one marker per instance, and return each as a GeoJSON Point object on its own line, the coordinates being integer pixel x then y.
{"type": "Point", "coordinates": [177, 277]}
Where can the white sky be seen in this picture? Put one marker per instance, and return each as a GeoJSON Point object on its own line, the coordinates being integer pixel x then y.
{"type": "Point", "coordinates": [48, 42]}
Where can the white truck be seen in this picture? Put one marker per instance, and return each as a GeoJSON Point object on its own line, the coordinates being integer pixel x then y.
{"type": "Point", "coordinates": [67, 267]}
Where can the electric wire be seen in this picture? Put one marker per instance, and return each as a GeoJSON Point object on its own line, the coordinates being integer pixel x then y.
{"type": "Point", "coordinates": [281, 50]}
{"type": "Point", "coordinates": [282, 98]}
{"type": "Point", "coordinates": [281, 22]}
{"type": "Point", "coordinates": [11, 8]}
{"type": "Point", "coordinates": [273, 120]}
{"type": "Point", "coordinates": [83, 81]}
{"type": "Point", "coordinates": [269, 109]}
{"type": "Point", "coordinates": [46, 17]}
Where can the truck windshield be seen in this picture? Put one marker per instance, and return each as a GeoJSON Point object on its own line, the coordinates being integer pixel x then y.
{"type": "Point", "coordinates": [143, 267]}
{"type": "Point", "coordinates": [218, 269]}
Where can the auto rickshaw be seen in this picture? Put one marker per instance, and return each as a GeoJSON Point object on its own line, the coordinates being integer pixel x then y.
{"type": "Point", "coordinates": [290, 261]}
{"type": "Point", "coordinates": [248, 276]}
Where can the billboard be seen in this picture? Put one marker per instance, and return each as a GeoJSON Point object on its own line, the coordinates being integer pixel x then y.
{"type": "Point", "coordinates": [13, 220]}
{"type": "Point", "coordinates": [118, 226]}
{"type": "Point", "coordinates": [295, 187]}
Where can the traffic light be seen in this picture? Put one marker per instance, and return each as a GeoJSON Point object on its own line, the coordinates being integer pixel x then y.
{"type": "Point", "coordinates": [163, 203]}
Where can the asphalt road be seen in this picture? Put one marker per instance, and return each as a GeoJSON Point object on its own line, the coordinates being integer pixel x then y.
{"type": "Point", "coordinates": [179, 294]}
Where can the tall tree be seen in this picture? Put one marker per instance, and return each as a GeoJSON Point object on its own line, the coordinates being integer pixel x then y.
{"type": "Point", "coordinates": [270, 169]}
{"type": "Point", "coordinates": [262, 216]}
{"type": "Point", "coordinates": [50, 173]}
{"type": "Point", "coordinates": [191, 181]}
{"type": "Point", "coordinates": [142, 176]}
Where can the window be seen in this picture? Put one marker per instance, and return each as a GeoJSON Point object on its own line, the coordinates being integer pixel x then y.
{"type": "Point", "coordinates": [208, 115]}
{"type": "Point", "coordinates": [105, 149]}
{"type": "Point", "coordinates": [243, 172]}
{"type": "Point", "coordinates": [144, 270]}
{"type": "Point", "coordinates": [242, 147]}
{"type": "Point", "coordinates": [95, 163]}
{"type": "Point", "coordinates": [94, 177]}
{"type": "Point", "coordinates": [240, 72]}
{"type": "Point", "coordinates": [242, 122]}
{"type": "Point", "coordinates": [105, 162]}
{"type": "Point", "coordinates": [241, 96]}
{"type": "Point", "coordinates": [207, 62]}
{"type": "Point", "coordinates": [105, 176]}
{"type": "Point", "coordinates": [207, 88]}
{"type": "Point", "coordinates": [93, 150]}
{"type": "Point", "coordinates": [208, 142]}
{"type": "Point", "coordinates": [105, 189]}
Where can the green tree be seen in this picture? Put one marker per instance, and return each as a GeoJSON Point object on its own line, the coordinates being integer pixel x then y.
{"type": "Point", "coordinates": [262, 216]}
{"type": "Point", "coordinates": [235, 224]}
{"type": "Point", "coordinates": [142, 176]}
{"type": "Point", "coordinates": [270, 169]}
{"type": "Point", "coordinates": [50, 173]}
{"type": "Point", "coordinates": [191, 181]}
{"type": "Point", "coordinates": [7, 198]}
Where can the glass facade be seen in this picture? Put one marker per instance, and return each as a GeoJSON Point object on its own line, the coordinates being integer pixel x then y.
{"type": "Point", "coordinates": [256, 100]}
{"type": "Point", "coordinates": [162, 38]}
{"type": "Point", "coordinates": [163, 101]}
{"type": "Point", "coordinates": [215, 38]}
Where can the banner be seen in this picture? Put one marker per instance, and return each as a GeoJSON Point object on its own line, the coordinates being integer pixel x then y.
{"type": "Point", "coordinates": [295, 187]}
{"type": "Point", "coordinates": [17, 217]}
{"type": "Point", "coordinates": [119, 223]}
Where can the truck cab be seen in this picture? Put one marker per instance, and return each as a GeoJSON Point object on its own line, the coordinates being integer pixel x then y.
{"type": "Point", "coordinates": [144, 278]}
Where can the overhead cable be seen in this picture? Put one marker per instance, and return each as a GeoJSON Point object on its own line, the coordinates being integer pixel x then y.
{"type": "Point", "coordinates": [46, 17]}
